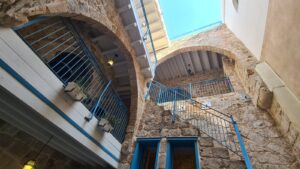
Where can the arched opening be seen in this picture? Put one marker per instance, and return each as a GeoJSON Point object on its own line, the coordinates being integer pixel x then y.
{"type": "Point", "coordinates": [199, 72]}
{"type": "Point", "coordinates": [78, 53]}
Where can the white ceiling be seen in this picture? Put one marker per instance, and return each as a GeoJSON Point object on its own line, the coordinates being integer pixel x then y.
{"type": "Point", "coordinates": [156, 23]}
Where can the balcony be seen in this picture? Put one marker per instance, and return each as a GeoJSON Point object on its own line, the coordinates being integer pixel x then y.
{"type": "Point", "coordinates": [56, 82]}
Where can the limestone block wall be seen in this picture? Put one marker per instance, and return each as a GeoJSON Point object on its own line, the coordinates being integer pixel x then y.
{"type": "Point", "coordinates": [180, 81]}
{"type": "Point", "coordinates": [157, 122]}
{"type": "Point", "coordinates": [266, 144]}
{"type": "Point", "coordinates": [17, 147]}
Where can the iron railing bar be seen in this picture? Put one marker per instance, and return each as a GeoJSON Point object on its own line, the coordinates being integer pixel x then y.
{"type": "Point", "coordinates": [93, 87]}
{"type": "Point", "coordinates": [104, 95]}
{"type": "Point", "coordinates": [79, 75]}
{"type": "Point", "coordinates": [54, 57]}
{"type": "Point", "coordinates": [96, 89]}
{"type": "Point", "coordinates": [65, 58]}
{"type": "Point", "coordinates": [200, 103]}
{"type": "Point", "coordinates": [99, 99]}
{"type": "Point", "coordinates": [47, 44]}
{"type": "Point", "coordinates": [73, 67]}
{"type": "Point", "coordinates": [90, 66]}
{"type": "Point", "coordinates": [34, 42]}
{"type": "Point", "coordinates": [40, 30]}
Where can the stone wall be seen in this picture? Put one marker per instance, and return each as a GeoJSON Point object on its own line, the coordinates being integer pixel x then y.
{"type": "Point", "coordinates": [287, 128]}
{"type": "Point", "coordinates": [265, 142]}
{"type": "Point", "coordinates": [180, 81]}
{"type": "Point", "coordinates": [157, 122]}
{"type": "Point", "coordinates": [17, 147]}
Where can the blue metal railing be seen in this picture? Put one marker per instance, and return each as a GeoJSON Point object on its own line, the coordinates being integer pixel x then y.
{"type": "Point", "coordinates": [213, 123]}
{"type": "Point", "coordinates": [59, 45]}
{"type": "Point", "coordinates": [208, 87]}
{"type": "Point", "coordinates": [148, 36]}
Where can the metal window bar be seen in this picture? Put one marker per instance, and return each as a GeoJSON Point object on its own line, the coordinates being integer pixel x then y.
{"type": "Point", "coordinates": [58, 44]}
{"type": "Point", "coordinates": [213, 123]}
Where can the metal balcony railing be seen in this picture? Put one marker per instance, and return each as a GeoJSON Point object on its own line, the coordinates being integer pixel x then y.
{"type": "Point", "coordinates": [213, 123]}
{"type": "Point", "coordinates": [58, 44]}
{"type": "Point", "coordinates": [208, 87]}
{"type": "Point", "coordinates": [147, 38]}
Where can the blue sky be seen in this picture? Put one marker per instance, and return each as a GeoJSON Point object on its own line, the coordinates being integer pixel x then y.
{"type": "Point", "coordinates": [185, 17]}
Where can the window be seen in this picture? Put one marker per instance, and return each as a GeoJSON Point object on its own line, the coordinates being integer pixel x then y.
{"type": "Point", "coordinates": [146, 154]}
{"type": "Point", "coordinates": [182, 153]}
{"type": "Point", "coordinates": [235, 4]}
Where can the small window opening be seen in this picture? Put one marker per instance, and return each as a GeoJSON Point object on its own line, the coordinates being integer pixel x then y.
{"type": "Point", "coordinates": [235, 4]}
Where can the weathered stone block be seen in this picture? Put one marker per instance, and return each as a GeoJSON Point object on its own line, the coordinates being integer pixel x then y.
{"type": "Point", "coordinates": [292, 134]}
{"type": "Point", "coordinates": [264, 98]}
{"type": "Point", "coordinates": [220, 153]}
{"type": "Point", "coordinates": [124, 166]}
{"type": "Point", "coordinates": [206, 142]}
{"type": "Point", "coordinates": [296, 148]}
{"type": "Point", "coordinates": [162, 161]}
{"type": "Point", "coordinates": [237, 164]}
{"type": "Point", "coordinates": [206, 152]}
{"type": "Point", "coordinates": [214, 163]}
{"type": "Point", "coordinates": [189, 132]}
{"type": "Point", "coordinates": [170, 132]}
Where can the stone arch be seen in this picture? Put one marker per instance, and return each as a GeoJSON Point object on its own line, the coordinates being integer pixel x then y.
{"type": "Point", "coordinates": [99, 14]}
{"type": "Point", "coordinates": [219, 50]}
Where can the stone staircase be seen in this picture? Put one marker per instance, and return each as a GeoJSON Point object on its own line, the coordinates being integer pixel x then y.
{"type": "Point", "coordinates": [226, 149]}
{"type": "Point", "coordinates": [213, 154]}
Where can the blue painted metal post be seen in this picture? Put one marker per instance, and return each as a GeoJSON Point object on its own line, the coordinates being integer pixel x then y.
{"type": "Point", "coordinates": [174, 106]}
{"type": "Point", "coordinates": [159, 95]}
{"type": "Point", "coordinates": [190, 85]}
{"type": "Point", "coordinates": [91, 115]}
{"type": "Point", "coordinates": [135, 160]}
{"type": "Point", "coordinates": [169, 157]}
{"type": "Point", "coordinates": [197, 155]}
{"type": "Point", "coordinates": [157, 155]}
{"type": "Point", "coordinates": [242, 145]}
{"type": "Point", "coordinates": [148, 92]}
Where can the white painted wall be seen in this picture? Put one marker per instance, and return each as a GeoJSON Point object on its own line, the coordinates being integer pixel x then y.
{"type": "Point", "coordinates": [248, 22]}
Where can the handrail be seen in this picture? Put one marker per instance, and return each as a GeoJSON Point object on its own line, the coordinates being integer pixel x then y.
{"type": "Point", "coordinates": [242, 146]}
{"type": "Point", "coordinates": [184, 96]}
{"type": "Point", "coordinates": [217, 125]}
{"type": "Point", "coordinates": [149, 32]}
